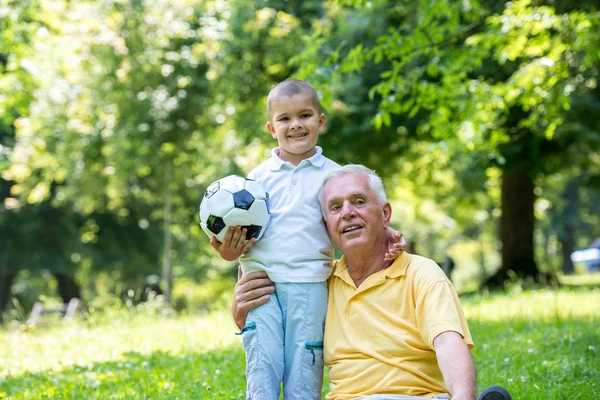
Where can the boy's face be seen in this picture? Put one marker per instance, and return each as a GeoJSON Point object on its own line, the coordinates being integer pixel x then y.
{"type": "Point", "coordinates": [296, 124]}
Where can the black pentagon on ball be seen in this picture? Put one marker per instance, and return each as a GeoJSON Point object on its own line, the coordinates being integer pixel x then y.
{"type": "Point", "coordinates": [252, 231]}
{"type": "Point", "coordinates": [212, 189]}
{"type": "Point", "coordinates": [215, 224]}
{"type": "Point", "coordinates": [243, 199]}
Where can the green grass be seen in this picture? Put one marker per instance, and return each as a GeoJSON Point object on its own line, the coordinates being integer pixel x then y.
{"type": "Point", "coordinates": [540, 344]}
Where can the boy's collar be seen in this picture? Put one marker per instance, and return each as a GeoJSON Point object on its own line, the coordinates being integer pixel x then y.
{"type": "Point", "coordinates": [316, 159]}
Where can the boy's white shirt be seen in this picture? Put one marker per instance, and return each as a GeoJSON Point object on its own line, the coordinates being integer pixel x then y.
{"type": "Point", "coordinates": [295, 247]}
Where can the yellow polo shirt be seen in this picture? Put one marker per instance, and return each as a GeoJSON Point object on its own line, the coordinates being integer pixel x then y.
{"type": "Point", "coordinates": [379, 337]}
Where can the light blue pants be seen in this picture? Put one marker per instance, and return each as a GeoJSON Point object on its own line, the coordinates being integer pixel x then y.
{"type": "Point", "coordinates": [283, 340]}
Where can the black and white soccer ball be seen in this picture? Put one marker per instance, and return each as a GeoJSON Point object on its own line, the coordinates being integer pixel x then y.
{"type": "Point", "coordinates": [233, 201]}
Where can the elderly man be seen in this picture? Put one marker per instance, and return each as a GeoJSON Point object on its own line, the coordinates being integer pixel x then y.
{"type": "Point", "coordinates": [394, 329]}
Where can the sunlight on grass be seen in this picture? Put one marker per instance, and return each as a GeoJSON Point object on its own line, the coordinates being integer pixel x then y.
{"type": "Point", "coordinates": [540, 344]}
{"type": "Point", "coordinates": [535, 304]}
{"type": "Point", "coordinates": [588, 279]}
{"type": "Point", "coordinates": [68, 344]}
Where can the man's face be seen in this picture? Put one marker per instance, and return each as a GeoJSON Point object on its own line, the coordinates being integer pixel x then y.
{"type": "Point", "coordinates": [296, 125]}
{"type": "Point", "coordinates": [353, 214]}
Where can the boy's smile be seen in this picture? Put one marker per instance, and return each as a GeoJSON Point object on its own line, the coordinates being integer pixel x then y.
{"type": "Point", "coordinates": [296, 125]}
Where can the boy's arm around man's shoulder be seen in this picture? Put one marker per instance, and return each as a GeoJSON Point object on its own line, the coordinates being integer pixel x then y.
{"type": "Point", "coordinates": [396, 244]}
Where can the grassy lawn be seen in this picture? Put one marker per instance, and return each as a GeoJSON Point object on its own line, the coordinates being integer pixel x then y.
{"type": "Point", "coordinates": [539, 344]}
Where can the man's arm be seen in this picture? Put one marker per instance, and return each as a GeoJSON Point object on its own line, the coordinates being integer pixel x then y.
{"type": "Point", "coordinates": [251, 291]}
{"type": "Point", "coordinates": [456, 363]}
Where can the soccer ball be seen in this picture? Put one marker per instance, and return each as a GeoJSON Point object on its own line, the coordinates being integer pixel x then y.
{"type": "Point", "coordinates": [233, 201]}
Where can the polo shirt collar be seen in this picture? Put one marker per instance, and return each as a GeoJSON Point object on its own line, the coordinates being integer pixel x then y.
{"type": "Point", "coordinates": [397, 269]}
{"type": "Point", "coordinates": [276, 162]}
{"type": "Point", "coordinates": [399, 266]}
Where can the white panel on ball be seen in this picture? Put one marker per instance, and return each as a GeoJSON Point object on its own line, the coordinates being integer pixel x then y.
{"type": "Point", "coordinates": [220, 203]}
{"type": "Point", "coordinates": [204, 213]}
{"type": "Point", "coordinates": [258, 214]}
{"type": "Point", "coordinates": [237, 216]}
{"type": "Point", "coordinates": [233, 183]}
{"type": "Point", "coordinates": [221, 236]}
{"type": "Point", "coordinates": [256, 189]}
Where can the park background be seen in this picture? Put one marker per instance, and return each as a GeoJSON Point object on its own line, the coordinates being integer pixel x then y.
{"type": "Point", "coordinates": [482, 117]}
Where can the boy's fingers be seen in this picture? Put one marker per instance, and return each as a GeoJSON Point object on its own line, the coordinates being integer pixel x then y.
{"type": "Point", "coordinates": [240, 238]}
{"type": "Point", "coordinates": [237, 240]}
{"type": "Point", "coordinates": [402, 240]}
{"type": "Point", "coordinates": [214, 242]}
{"type": "Point", "coordinates": [228, 236]}
{"type": "Point", "coordinates": [248, 245]}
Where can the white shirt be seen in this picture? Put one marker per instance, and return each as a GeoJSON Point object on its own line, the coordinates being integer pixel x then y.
{"type": "Point", "coordinates": [295, 247]}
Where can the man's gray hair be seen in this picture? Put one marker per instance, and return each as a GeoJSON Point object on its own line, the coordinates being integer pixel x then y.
{"type": "Point", "coordinates": [374, 181]}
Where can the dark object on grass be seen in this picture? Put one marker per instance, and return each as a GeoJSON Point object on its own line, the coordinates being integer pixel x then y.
{"type": "Point", "coordinates": [494, 393]}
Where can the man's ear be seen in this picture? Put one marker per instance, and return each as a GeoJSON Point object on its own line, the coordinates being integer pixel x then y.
{"type": "Point", "coordinates": [271, 129]}
{"type": "Point", "coordinates": [387, 214]}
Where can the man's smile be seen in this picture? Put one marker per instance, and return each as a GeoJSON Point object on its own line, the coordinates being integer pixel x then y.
{"type": "Point", "coordinates": [351, 228]}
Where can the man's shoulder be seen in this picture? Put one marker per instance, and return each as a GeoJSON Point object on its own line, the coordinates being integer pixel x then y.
{"type": "Point", "coordinates": [424, 270]}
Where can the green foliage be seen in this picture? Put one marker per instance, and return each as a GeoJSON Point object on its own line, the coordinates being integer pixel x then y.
{"type": "Point", "coordinates": [533, 343]}
{"type": "Point", "coordinates": [462, 90]}
{"type": "Point", "coordinates": [138, 107]}
{"type": "Point", "coordinates": [113, 112]}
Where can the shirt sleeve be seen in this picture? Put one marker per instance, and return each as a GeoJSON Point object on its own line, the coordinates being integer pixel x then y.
{"type": "Point", "coordinates": [438, 310]}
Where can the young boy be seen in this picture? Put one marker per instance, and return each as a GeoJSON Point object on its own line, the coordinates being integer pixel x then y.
{"type": "Point", "coordinates": [283, 338]}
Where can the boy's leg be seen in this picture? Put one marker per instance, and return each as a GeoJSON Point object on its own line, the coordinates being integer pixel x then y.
{"type": "Point", "coordinates": [263, 343]}
{"type": "Point", "coordinates": [305, 307]}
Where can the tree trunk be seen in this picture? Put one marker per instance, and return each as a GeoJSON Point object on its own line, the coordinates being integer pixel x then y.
{"type": "Point", "coordinates": [566, 221]}
{"type": "Point", "coordinates": [67, 287]}
{"type": "Point", "coordinates": [6, 281]}
{"type": "Point", "coordinates": [167, 274]}
{"type": "Point", "coordinates": [516, 228]}
{"type": "Point", "coordinates": [567, 243]}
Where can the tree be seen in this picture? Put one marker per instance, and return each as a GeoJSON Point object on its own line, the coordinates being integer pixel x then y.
{"type": "Point", "coordinates": [490, 82]}
{"type": "Point", "coordinates": [19, 21]}
{"type": "Point", "coordinates": [139, 106]}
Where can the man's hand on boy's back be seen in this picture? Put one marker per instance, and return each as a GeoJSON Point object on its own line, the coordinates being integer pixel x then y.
{"type": "Point", "coordinates": [396, 244]}
{"type": "Point", "coordinates": [234, 244]}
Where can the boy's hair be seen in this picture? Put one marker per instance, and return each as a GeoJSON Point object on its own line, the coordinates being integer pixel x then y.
{"type": "Point", "coordinates": [289, 88]}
